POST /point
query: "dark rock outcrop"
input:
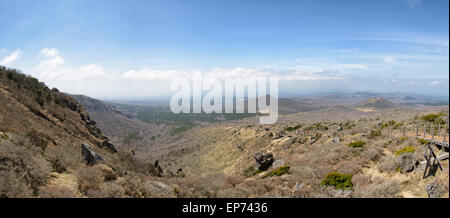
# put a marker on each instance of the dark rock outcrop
(159, 171)
(89, 155)
(110, 146)
(264, 161)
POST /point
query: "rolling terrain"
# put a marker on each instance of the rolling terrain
(322, 146)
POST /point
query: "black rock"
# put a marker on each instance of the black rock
(89, 155)
(109, 145)
(264, 161)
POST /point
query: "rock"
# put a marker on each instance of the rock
(280, 134)
(264, 161)
(278, 163)
(180, 172)
(89, 155)
(158, 168)
(109, 145)
(408, 162)
(335, 139)
(312, 140)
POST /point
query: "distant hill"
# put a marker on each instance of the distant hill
(290, 106)
(377, 103)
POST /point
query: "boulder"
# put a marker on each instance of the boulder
(89, 155)
(264, 161)
(158, 168)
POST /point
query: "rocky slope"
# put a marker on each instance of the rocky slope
(41, 135)
(125, 132)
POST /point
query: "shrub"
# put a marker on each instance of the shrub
(385, 189)
(89, 178)
(251, 171)
(40, 101)
(356, 144)
(279, 171)
(406, 149)
(53, 191)
(429, 117)
(10, 75)
(374, 133)
(5, 136)
(38, 139)
(290, 128)
(58, 166)
(57, 101)
(338, 180)
(422, 141)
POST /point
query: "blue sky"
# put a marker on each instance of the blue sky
(133, 48)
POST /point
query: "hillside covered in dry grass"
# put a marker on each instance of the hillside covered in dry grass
(41, 133)
(331, 151)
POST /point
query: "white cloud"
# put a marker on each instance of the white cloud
(53, 67)
(390, 60)
(152, 74)
(9, 59)
(222, 73)
(435, 83)
(49, 52)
